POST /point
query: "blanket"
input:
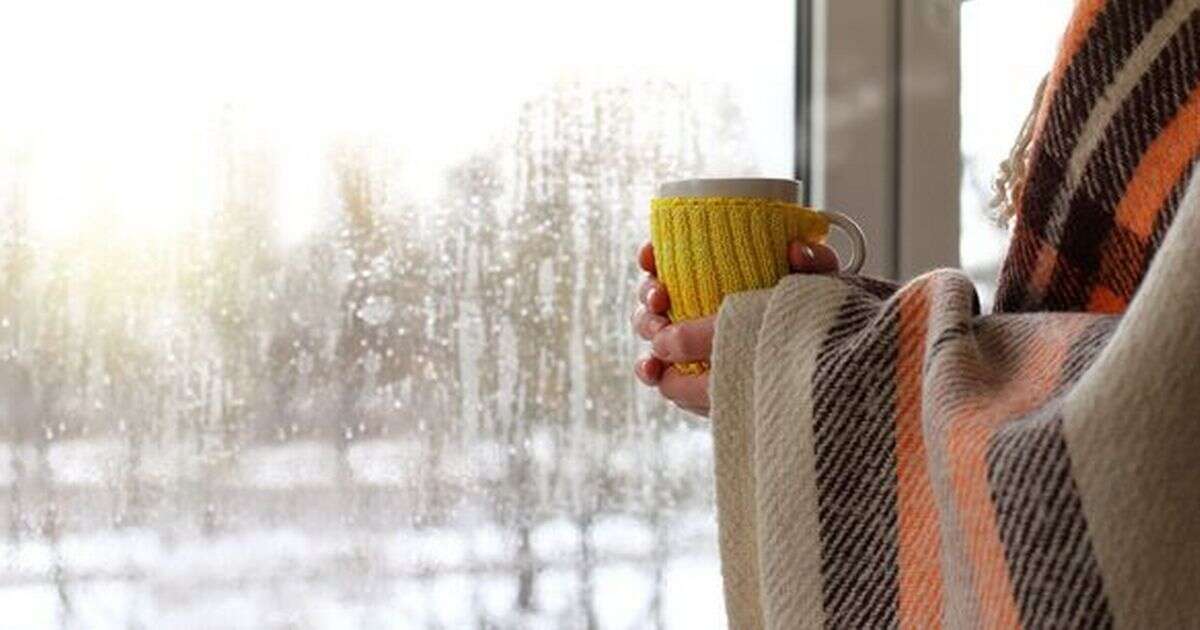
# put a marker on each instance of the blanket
(888, 456)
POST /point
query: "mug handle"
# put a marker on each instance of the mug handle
(857, 238)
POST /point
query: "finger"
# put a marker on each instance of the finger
(646, 259)
(657, 300)
(689, 392)
(647, 324)
(684, 341)
(649, 371)
(648, 286)
(816, 258)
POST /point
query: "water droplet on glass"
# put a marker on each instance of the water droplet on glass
(380, 265)
(304, 363)
(373, 362)
(377, 309)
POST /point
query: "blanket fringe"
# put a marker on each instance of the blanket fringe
(1010, 181)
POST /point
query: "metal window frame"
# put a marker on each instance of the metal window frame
(877, 125)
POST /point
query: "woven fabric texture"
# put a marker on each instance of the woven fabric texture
(1115, 142)
(889, 457)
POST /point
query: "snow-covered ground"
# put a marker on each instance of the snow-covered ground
(414, 579)
(264, 566)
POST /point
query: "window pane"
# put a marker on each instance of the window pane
(316, 316)
(999, 80)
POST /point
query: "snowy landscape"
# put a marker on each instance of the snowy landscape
(407, 416)
(289, 561)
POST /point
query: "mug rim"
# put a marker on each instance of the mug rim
(778, 188)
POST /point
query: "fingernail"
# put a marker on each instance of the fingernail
(658, 346)
(645, 373)
(652, 369)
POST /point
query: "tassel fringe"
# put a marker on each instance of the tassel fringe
(1010, 181)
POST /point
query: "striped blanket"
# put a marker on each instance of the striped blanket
(889, 457)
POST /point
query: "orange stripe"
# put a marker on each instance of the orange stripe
(967, 445)
(919, 534)
(970, 433)
(1104, 300)
(1160, 169)
(1080, 24)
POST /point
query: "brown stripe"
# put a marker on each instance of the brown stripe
(1055, 576)
(853, 402)
(1157, 99)
(1121, 267)
(1018, 265)
(1100, 38)
(1112, 36)
(1030, 383)
(1081, 23)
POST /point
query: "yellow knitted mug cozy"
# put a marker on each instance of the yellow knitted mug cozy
(706, 247)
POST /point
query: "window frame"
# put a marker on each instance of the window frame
(878, 124)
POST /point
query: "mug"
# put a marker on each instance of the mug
(713, 237)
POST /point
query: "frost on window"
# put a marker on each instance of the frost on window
(414, 413)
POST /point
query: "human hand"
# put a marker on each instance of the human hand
(692, 340)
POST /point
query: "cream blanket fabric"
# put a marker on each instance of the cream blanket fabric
(888, 457)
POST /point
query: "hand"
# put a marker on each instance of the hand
(692, 340)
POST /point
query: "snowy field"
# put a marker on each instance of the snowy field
(275, 560)
(286, 579)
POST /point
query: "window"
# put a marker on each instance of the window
(316, 315)
(884, 127)
(913, 107)
(999, 81)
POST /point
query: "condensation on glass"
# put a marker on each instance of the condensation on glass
(323, 323)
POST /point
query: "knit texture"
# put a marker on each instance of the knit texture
(708, 247)
(889, 457)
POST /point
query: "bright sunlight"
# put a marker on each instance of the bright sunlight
(118, 111)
